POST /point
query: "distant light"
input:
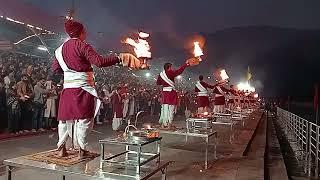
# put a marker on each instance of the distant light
(69, 17)
(189, 78)
(246, 87)
(209, 77)
(179, 77)
(9, 19)
(42, 48)
(29, 25)
(148, 74)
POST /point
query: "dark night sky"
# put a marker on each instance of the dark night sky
(179, 15)
(176, 18)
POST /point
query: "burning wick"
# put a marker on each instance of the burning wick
(197, 51)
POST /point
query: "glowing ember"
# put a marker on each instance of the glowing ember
(224, 74)
(197, 51)
(141, 46)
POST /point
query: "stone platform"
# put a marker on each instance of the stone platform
(234, 161)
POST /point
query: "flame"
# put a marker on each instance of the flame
(197, 51)
(224, 74)
(141, 47)
(143, 35)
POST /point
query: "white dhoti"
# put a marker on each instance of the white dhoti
(125, 108)
(167, 112)
(81, 128)
(131, 109)
(116, 122)
(218, 108)
(187, 113)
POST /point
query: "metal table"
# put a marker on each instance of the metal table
(130, 157)
(205, 135)
(195, 124)
(86, 169)
(228, 120)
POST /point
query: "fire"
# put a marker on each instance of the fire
(197, 51)
(141, 46)
(143, 35)
(224, 74)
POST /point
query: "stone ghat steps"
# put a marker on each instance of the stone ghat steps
(263, 157)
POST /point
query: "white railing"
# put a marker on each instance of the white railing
(304, 139)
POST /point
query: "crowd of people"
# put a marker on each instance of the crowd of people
(29, 94)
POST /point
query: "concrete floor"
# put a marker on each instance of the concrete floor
(189, 158)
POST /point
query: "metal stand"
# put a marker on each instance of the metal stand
(203, 135)
(9, 171)
(134, 158)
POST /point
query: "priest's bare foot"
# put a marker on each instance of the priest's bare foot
(62, 151)
(83, 154)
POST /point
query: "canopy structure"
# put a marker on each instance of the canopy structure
(27, 39)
